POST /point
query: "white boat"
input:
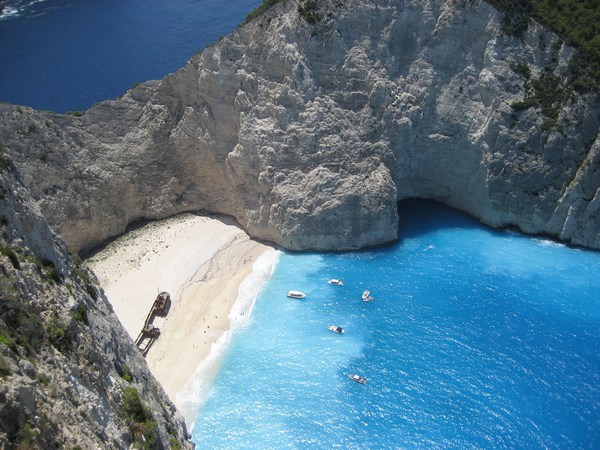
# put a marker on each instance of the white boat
(335, 329)
(357, 378)
(296, 294)
(366, 296)
(336, 282)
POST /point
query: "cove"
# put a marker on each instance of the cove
(475, 339)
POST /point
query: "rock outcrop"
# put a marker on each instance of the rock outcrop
(70, 376)
(309, 127)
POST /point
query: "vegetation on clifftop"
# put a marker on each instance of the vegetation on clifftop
(266, 4)
(575, 21)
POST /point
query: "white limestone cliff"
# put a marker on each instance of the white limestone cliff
(309, 133)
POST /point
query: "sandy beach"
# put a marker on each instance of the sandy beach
(201, 261)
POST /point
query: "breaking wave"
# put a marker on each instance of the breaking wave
(197, 388)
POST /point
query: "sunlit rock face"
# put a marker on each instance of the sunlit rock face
(309, 133)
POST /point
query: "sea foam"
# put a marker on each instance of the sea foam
(197, 389)
(18, 8)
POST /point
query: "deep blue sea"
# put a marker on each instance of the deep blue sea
(475, 338)
(66, 55)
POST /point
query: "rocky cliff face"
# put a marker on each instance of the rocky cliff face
(70, 376)
(308, 127)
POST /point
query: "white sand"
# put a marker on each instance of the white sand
(201, 262)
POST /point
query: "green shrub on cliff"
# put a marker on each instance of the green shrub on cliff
(516, 15)
(59, 336)
(25, 326)
(132, 405)
(51, 272)
(26, 436)
(80, 314)
(3, 162)
(7, 251)
(266, 4)
(142, 426)
(576, 21)
(309, 11)
(546, 93)
(126, 374)
(522, 69)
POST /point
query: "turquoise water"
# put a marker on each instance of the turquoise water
(475, 339)
(66, 55)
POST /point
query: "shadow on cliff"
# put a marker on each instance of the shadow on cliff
(140, 223)
(421, 216)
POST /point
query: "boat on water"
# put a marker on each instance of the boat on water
(335, 329)
(336, 282)
(296, 294)
(366, 296)
(357, 378)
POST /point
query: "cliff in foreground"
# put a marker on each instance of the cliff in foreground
(70, 376)
(310, 123)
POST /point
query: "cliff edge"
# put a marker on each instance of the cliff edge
(309, 123)
(70, 376)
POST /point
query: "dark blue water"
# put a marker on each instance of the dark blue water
(66, 55)
(474, 339)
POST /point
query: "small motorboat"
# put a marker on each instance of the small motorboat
(336, 282)
(335, 329)
(366, 296)
(296, 294)
(357, 378)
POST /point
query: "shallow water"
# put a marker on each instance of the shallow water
(475, 338)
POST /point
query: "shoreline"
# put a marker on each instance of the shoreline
(202, 261)
(195, 390)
